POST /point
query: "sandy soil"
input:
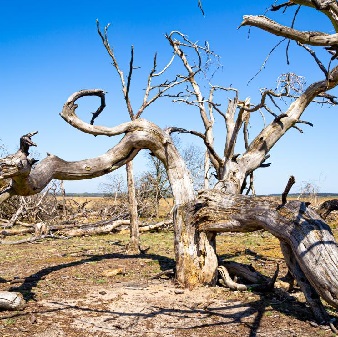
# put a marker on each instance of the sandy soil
(91, 287)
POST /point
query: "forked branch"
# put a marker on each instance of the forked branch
(159, 89)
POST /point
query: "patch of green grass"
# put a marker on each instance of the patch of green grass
(268, 313)
(10, 321)
(100, 281)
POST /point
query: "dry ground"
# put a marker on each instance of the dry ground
(90, 287)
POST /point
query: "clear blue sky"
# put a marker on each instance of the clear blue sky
(50, 49)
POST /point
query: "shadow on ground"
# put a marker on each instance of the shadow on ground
(161, 308)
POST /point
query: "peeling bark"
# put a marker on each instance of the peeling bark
(310, 239)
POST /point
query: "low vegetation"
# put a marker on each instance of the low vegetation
(90, 286)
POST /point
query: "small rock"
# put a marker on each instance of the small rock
(178, 291)
(33, 319)
(102, 292)
(112, 272)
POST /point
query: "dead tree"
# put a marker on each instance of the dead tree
(152, 93)
(307, 242)
(196, 221)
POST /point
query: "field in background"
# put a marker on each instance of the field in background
(96, 203)
(166, 205)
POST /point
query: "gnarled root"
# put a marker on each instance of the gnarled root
(258, 281)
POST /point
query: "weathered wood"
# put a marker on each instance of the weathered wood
(11, 301)
(309, 291)
(80, 229)
(134, 233)
(95, 230)
(158, 225)
(327, 207)
(13, 232)
(196, 260)
(311, 241)
(246, 272)
(228, 282)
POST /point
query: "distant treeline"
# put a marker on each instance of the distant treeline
(100, 195)
(84, 195)
(295, 195)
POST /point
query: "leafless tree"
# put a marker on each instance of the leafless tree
(309, 191)
(152, 186)
(115, 189)
(33, 208)
(194, 158)
(152, 93)
(307, 242)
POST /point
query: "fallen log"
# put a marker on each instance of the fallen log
(14, 232)
(308, 245)
(257, 281)
(76, 230)
(157, 225)
(95, 230)
(246, 272)
(7, 223)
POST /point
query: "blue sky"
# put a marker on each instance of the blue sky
(50, 49)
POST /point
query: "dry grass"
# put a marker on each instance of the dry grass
(69, 293)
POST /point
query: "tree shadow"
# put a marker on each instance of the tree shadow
(184, 318)
(248, 314)
(31, 281)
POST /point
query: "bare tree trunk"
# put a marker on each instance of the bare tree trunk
(206, 169)
(134, 243)
(195, 252)
(310, 293)
(63, 192)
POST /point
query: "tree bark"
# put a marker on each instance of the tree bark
(195, 252)
(134, 242)
(95, 229)
(310, 239)
(310, 293)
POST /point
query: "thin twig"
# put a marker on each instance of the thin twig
(266, 60)
(288, 45)
(313, 54)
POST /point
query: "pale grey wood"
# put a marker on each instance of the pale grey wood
(11, 300)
